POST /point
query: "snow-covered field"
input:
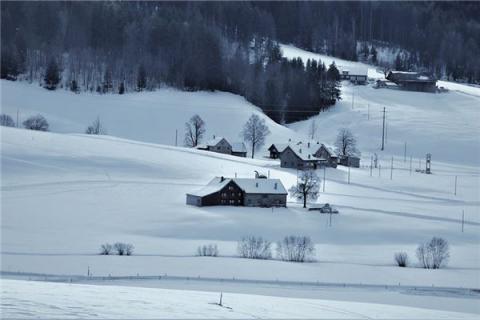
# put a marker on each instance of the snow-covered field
(58, 300)
(65, 193)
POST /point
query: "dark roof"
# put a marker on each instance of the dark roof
(404, 76)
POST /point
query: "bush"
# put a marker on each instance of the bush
(96, 128)
(6, 120)
(255, 248)
(106, 249)
(401, 258)
(37, 122)
(123, 248)
(433, 254)
(296, 248)
(210, 250)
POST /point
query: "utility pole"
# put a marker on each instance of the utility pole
(176, 137)
(391, 170)
(463, 219)
(353, 97)
(17, 116)
(348, 174)
(368, 111)
(405, 153)
(379, 169)
(410, 165)
(324, 173)
(371, 165)
(455, 192)
(383, 130)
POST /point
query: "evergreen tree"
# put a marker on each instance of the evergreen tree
(121, 88)
(52, 75)
(141, 78)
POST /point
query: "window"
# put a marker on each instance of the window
(230, 188)
(238, 201)
(233, 194)
(224, 195)
(239, 194)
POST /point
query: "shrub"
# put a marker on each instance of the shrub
(106, 249)
(255, 248)
(210, 250)
(96, 127)
(123, 248)
(433, 254)
(37, 122)
(401, 258)
(296, 248)
(6, 120)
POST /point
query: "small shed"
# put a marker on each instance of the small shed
(350, 161)
(413, 81)
(239, 149)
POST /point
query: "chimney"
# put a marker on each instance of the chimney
(275, 186)
(222, 179)
(299, 150)
(308, 144)
(256, 184)
(213, 136)
(308, 156)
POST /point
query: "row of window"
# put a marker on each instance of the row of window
(231, 202)
(224, 194)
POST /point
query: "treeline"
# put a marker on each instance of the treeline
(116, 47)
(443, 37)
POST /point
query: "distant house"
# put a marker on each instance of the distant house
(355, 75)
(350, 161)
(413, 81)
(240, 192)
(239, 149)
(221, 145)
(301, 157)
(276, 148)
(328, 154)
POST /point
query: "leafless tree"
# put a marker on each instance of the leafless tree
(210, 250)
(37, 122)
(6, 120)
(346, 143)
(401, 258)
(96, 127)
(296, 248)
(106, 249)
(307, 187)
(254, 132)
(255, 248)
(433, 254)
(194, 131)
(123, 248)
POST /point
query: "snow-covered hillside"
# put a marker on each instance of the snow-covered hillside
(447, 125)
(35, 300)
(148, 116)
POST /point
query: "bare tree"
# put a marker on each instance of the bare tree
(401, 258)
(346, 143)
(123, 248)
(433, 254)
(194, 131)
(210, 250)
(254, 132)
(96, 127)
(296, 248)
(106, 249)
(312, 130)
(254, 248)
(6, 120)
(37, 122)
(307, 187)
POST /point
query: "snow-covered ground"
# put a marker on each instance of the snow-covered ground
(59, 300)
(64, 193)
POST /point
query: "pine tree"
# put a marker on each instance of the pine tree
(52, 75)
(121, 88)
(141, 78)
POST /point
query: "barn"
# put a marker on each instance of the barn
(413, 81)
(258, 192)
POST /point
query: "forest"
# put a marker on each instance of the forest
(118, 47)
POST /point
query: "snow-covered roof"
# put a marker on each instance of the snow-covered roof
(408, 76)
(354, 70)
(213, 142)
(248, 185)
(330, 150)
(279, 146)
(304, 152)
(239, 147)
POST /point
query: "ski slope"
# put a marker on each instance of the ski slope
(26, 299)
